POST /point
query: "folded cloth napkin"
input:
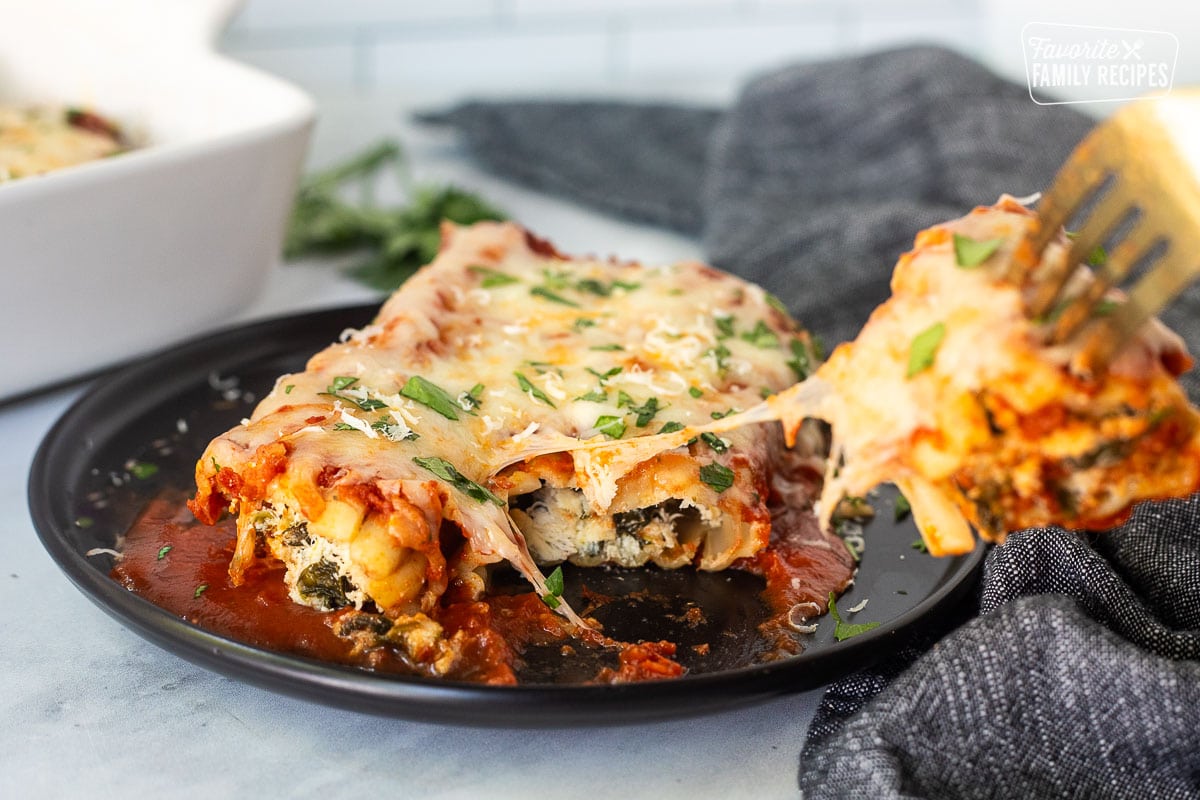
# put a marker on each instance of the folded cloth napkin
(1076, 670)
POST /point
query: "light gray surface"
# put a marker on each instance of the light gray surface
(90, 709)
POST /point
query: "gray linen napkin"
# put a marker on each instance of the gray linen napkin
(1077, 670)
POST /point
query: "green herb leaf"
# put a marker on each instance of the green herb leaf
(447, 472)
(924, 348)
(143, 470)
(339, 383)
(537, 393)
(431, 395)
(777, 304)
(610, 426)
(554, 588)
(607, 347)
(84, 522)
(720, 354)
(844, 630)
(472, 398)
(722, 414)
(547, 294)
(696, 392)
(724, 327)
(970, 252)
(920, 546)
(288, 389)
(718, 476)
(201, 589)
(1098, 257)
(761, 336)
(646, 411)
(594, 396)
(162, 551)
(671, 427)
(806, 358)
(715, 442)
(604, 376)
(492, 277)
(583, 322)
(902, 508)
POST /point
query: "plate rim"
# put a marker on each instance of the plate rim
(416, 697)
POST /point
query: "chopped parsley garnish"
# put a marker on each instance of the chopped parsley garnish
(162, 551)
(970, 252)
(547, 294)
(143, 470)
(542, 367)
(606, 347)
(646, 411)
(604, 376)
(718, 476)
(696, 392)
(201, 589)
(492, 277)
(594, 396)
(583, 322)
(777, 304)
(472, 398)
(288, 389)
(671, 427)
(431, 395)
(722, 414)
(1098, 257)
(806, 357)
(766, 392)
(720, 354)
(724, 327)
(554, 588)
(392, 431)
(447, 472)
(761, 336)
(920, 546)
(611, 426)
(845, 630)
(715, 442)
(343, 426)
(902, 508)
(924, 348)
(343, 382)
(594, 287)
(537, 393)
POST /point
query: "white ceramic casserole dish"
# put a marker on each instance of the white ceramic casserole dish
(115, 258)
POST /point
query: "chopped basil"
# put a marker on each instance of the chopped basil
(604, 376)
(671, 427)
(392, 431)
(431, 395)
(547, 294)
(717, 476)
(472, 398)
(537, 393)
(902, 508)
(162, 551)
(343, 426)
(492, 277)
(623, 399)
(646, 411)
(201, 589)
(554, 588)
(288, 389)
(722, 414)
(605, 348)
(924, 348)
(806, 356)
(720, 354)
(341, 382)
(594, 396)
(845, 630)
(970, 252)
(610, 426)
(777, 304)
(143, 470)
(1098, 257)
(542, 367)
(447, 472)
(584, 322)
(920, 546)
(594, 287)
(724, 327)
(761, 336)
(715, 442)
(696, 392)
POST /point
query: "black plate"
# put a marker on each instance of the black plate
(166, 408)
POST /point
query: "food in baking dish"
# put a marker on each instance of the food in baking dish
(426, 448)
(42, 139)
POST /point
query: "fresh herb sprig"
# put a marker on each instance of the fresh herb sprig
(394, 242)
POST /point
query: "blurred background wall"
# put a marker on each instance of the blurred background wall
(685, 48)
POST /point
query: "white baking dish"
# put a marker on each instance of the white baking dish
(119, 257)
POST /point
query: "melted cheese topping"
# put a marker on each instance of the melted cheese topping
(500, 351)
(35, 141)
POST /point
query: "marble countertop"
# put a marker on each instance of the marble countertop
(91, 709)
